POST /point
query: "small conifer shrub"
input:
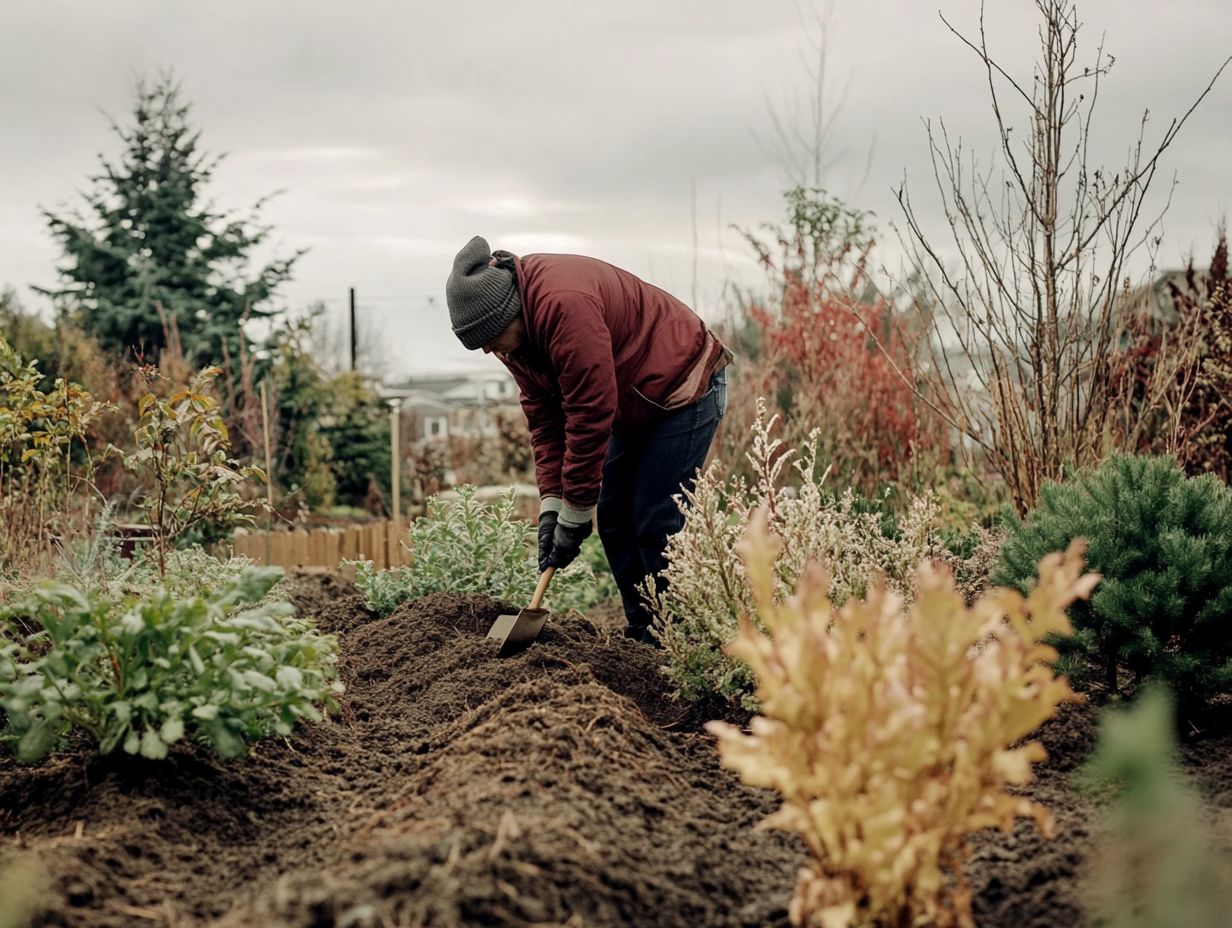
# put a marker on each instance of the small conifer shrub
(1163, 544)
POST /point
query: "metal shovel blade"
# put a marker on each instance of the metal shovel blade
(516, 632)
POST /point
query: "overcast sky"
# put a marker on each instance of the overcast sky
(399, 128)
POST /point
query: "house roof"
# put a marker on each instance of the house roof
(425, 403)
(1153, 300)
(451, 389)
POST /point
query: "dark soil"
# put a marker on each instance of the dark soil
(452, 788)
(560, 787)
(1023, 879)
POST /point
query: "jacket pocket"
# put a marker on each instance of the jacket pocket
(665, 405)
(648, 401)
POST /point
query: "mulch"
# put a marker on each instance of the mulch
(560, 787)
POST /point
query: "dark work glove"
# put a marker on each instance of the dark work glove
(547, 528)
(567, 543)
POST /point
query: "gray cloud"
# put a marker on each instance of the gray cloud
(399, 129)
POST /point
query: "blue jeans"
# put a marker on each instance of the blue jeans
(636, 510)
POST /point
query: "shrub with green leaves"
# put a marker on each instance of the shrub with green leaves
(707, 588)
(465, 545)
(222, 668)
(1163, 544)
(44, 457)
(184, 453)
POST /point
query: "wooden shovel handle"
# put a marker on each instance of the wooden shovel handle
(544, 579)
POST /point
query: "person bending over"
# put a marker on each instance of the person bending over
(623, 387)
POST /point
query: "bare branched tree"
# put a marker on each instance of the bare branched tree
(1030, 316)
(801, 138)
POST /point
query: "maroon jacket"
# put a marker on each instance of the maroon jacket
(605, 351)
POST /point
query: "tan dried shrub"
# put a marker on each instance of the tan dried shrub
(893, 731)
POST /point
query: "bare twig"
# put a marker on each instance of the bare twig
(1028, 327)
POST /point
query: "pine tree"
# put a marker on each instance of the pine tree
(1163, 544)
(152, 247)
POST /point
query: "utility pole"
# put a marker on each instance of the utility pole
(353, 347)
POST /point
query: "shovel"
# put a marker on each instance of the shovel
(516, 632)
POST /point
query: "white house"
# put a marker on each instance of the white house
(436, 406)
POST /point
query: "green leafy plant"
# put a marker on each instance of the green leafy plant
(603, 587)
(43, 455)
(184, 447)
(1163, 543)
(222, 668)
(193, 571)
(708, 590)
(93, 557)
(92, 560)
(465, 545)
(1158, 865)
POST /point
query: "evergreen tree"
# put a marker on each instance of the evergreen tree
(333, 429)
(153, 251)
(1163, 544)
(360, 425)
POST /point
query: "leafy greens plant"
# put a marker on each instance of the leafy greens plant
(223, 668)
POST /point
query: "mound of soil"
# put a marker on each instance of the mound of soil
(560, 787)
(334, 601)
(446, 769)
(552, 802)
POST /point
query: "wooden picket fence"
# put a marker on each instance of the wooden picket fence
(383, 543)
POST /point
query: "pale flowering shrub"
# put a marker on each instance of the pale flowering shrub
(893, 730)
(707, 584)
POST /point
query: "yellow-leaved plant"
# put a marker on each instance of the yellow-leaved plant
(892, 731)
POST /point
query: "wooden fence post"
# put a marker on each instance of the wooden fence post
(278, 549)
(376, 544)
(299, 547)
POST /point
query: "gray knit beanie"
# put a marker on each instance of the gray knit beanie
(482, 300)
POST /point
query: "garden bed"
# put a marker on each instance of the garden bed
(559, 787)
